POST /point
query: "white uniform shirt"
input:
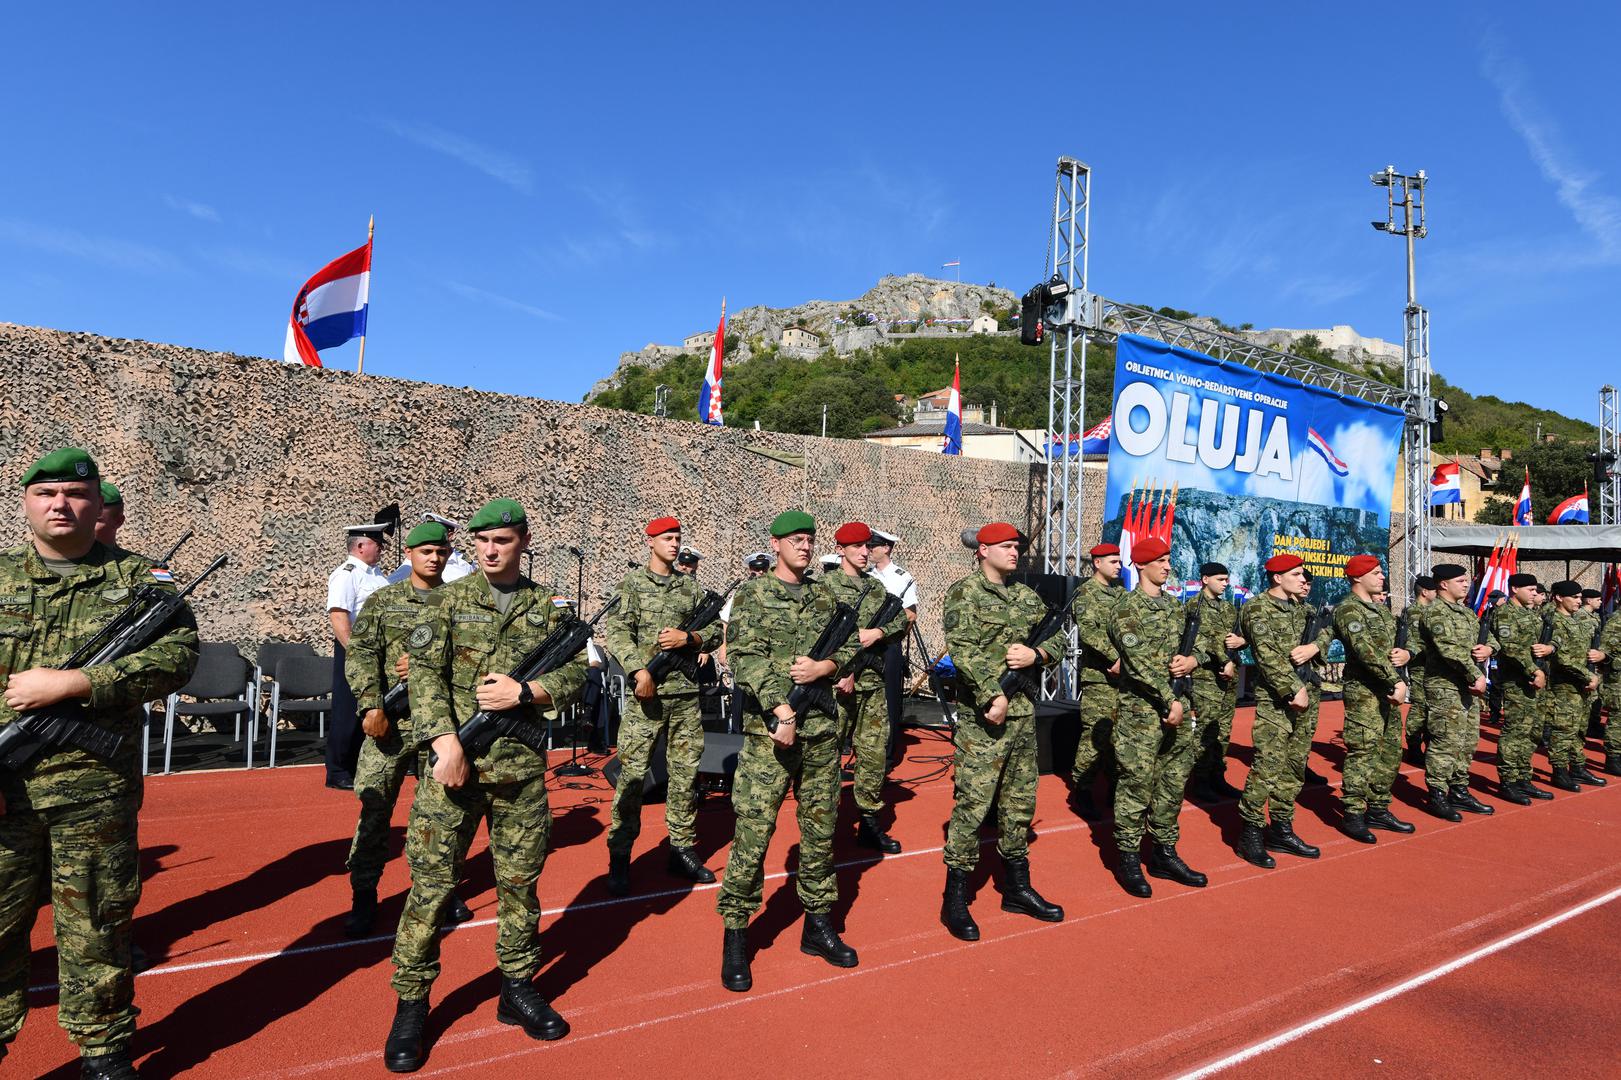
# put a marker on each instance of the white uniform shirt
(457, 566)
(899, 583)
(350, 585)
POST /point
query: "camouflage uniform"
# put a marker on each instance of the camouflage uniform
(69, 814)
(1610, 688)
(1214, 697)
(995, 763)
(774, 623)
(648, 603)
(463, 639)
(1154, 760)
(1514, 630)
(1450, 631)
(1418, 704)
(377, 641)
(1282, 736)
(1567, 679)
(1093, 603)
(864, 714)
(1372, 722)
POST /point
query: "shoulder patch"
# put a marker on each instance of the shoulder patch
(1129, 640)
(1353, 627)
(421, 636)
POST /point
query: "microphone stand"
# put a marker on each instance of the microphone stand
(574, 766)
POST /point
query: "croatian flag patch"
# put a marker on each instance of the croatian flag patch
(161, 573)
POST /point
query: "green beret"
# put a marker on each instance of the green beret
(110, 495)
(496, 514)
(61, 466)
(429, 532)
(792, 521)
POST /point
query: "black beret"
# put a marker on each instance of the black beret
(1591, 594)
(1446, 571)
(1520, 581)
(1424, 581)
(1566, 588)
(1210, 569)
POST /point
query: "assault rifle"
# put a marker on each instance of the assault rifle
(1182, 685)
(397, 702)
(667, 662)
(1481, 637)
(1598, 632)
(819, 695)
(872, 657)
(63, 725)
(558, 648)
(1316, 621)
(1027, 681)
(163, 563)
(1401, 643)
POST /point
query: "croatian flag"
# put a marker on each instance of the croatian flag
(709, 397)
(953, 262)
(1240, 594)
(1573, 511)
(1326, 452)
(1128, 569)
(331, 308)
(1522, 508)
(1096, 441)
(952, 443)
(1190, 589)
(1446, 485)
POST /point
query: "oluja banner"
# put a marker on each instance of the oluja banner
(1233, 465)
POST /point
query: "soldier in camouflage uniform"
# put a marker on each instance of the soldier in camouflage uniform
(1516, 630)
(987, 623)
(1569, 679)
(1374, 692)
(1417, 707)
(653, 603)
(460, 654)
(1285, 711)
(864, 713)
(1154, 731)
(776, 620)
(375, 661)
(1453, 678)
(1610, 691)
(68, 817)
(1215, 682)
(1100, 670)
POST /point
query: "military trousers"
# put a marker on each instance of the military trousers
(1568, 713)
(384, 764)
(1610, 694)
(1154, 762)
(1372, 737)
(995, 765)
(1282, 740)
(765, 772)
(1095, 750)
(864, 724)
(90, 855)
(1418, 707)
(1454, 731)
(678, 718)
(443, 821)
(1214, 701)
(1517, 738)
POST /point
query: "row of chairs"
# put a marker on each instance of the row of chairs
(226, 685)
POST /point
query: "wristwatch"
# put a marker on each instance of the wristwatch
(526, 696)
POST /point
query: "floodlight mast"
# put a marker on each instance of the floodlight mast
(1609, 448)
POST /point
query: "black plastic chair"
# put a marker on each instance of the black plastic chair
(302, 684)
(219, 687)
(264, 664)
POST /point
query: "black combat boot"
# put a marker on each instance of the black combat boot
(1612, 762)
(1311, 779)
(1462, 798)
(1280, 836)
(362, 913)
(1252, 848)
(734, 961)
(1509, 791)
(1019, 898)
(1414, 754)
(457, 911)
(1580, 774)
(1563, 780)
(1219, 785)
(818, 938)
(954, 913)
(1129, 873)
(684, 863)
(1527, 788)
(619, 873)
(1081, 801)
(1440, 806)
(1380, 817)
(1356, 827)
(522, 1005)
(1164, 862)
(113, 1066)
(868, 834)
(403, 1050)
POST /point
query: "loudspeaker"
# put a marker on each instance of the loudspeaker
(657, 780)
(1052, 588)
(719, 763)
(1058, 735)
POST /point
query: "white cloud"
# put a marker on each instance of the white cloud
(493, 163)
(484, 296)
(200, 211)
(119, 254)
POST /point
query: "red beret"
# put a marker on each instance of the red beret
(852, 532)
(1278, 564)
(1357, 565)
(1146, 551)
(1102, 550)
(998, 532)
(662, 525)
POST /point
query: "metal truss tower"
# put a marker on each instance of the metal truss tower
(1067, 251)
(1609, 442)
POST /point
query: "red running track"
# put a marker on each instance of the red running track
(244, 905)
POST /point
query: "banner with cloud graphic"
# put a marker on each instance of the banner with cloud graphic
(1257, 463)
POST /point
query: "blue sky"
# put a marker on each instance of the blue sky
(553, 186)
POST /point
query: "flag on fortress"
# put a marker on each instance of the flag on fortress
(953, 262)
(1522, 508)
(709, 410)
(331, 308)
(1096, 439)
(1446, 485)
(952, 443)
(1573, 511)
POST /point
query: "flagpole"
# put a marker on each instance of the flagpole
(360, 364)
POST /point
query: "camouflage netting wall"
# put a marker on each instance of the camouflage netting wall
(266, 462)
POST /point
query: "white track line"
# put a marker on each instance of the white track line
(1423, 978)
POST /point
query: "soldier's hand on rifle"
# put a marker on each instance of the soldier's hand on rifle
(1478, 687)
(1541, 651)
(1233, 641)
(996, 712)
(1020, 656)
(1400, 657)
(805, 670)
(846, 685)
(1303, 654)
(1183, 665)
(870, 636)
(1595, 656)
(784, 735)
(498, 693)
(1540, 679)
(375, 723)
(451, 768)
(1398, 695)
(670, 638)
(1113, 669)
(1174, 719)
(1229, 671)
(402, 666)
(1592, 684)
(645, 690)
(1301, 699)
(38, 688)
(1481, 653)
